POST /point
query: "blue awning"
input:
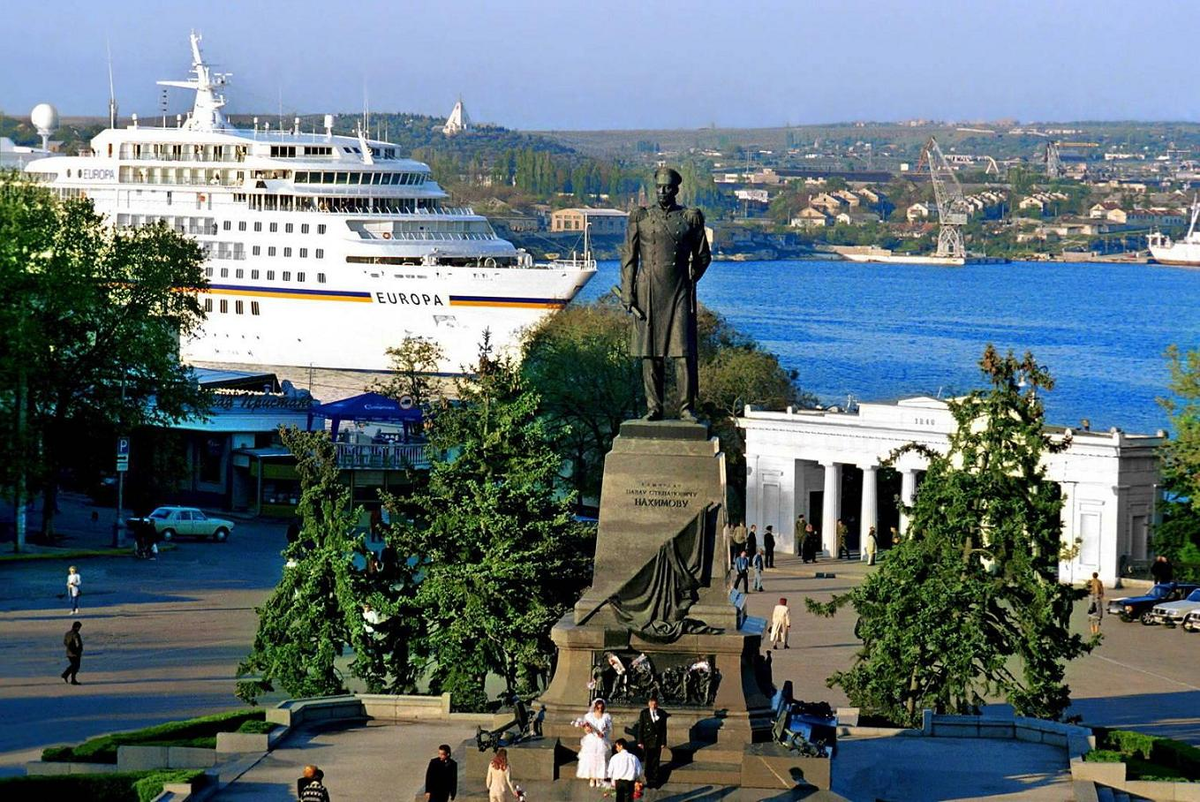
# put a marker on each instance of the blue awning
(367, 407)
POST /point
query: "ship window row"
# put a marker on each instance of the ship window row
(182, 176)
(170, 152)
(288, 228)
(286, 252)
(379, 153)
(360, 179)
(336, 205)
(196, 226)
(239, 307)
(294, 151)
(255, 275)
(447, 261)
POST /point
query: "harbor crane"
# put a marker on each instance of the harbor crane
(1054, 167)
(952, 207)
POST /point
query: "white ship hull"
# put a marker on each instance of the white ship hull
(1179, 253)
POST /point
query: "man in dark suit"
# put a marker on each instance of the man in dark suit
(441, 777)
(651, 738)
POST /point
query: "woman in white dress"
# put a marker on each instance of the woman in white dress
(594, 748)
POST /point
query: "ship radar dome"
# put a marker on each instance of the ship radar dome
(44, 118)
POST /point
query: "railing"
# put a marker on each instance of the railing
(383, 455)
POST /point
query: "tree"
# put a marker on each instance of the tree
(319, 608)
(969, 604)
(414, 362)
(502, 560)
(1178, 536)
(580, 365)
(92, 318)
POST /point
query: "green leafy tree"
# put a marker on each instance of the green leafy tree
(89, 328)
(580, 365)
(319, 609)
(502, 559)
(1178, 536)
(414, 363)
(969, 605)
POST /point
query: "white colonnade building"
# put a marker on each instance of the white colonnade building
(826, 465)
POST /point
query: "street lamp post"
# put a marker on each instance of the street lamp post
(122, 466)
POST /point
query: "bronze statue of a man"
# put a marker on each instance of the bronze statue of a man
(666, 252)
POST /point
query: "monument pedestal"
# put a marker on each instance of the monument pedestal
(658, 478)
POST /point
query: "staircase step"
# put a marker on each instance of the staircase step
(704, 752)
(704, 772)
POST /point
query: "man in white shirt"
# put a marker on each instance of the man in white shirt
(623, 769)
(781, 623)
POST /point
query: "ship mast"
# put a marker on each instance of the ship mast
(206, 113)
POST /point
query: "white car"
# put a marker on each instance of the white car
(170, 522)
(1192, 622)
(1175, 612)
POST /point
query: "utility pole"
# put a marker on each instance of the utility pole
(122, 468)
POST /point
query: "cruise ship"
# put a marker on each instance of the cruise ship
(323, 251)
(1184, 252)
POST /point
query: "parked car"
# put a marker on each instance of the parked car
(1142, 607)
(1174, 612)
(1192, 622)
(172, 522)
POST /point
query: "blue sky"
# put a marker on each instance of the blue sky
(617, 64)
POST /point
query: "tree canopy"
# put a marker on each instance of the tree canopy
(968, 606)
(90, 321)
(501, 556)
(1178, 535)
(333, 596)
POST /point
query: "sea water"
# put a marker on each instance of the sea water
(883, 332)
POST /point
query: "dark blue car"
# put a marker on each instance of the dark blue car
(1135, 608)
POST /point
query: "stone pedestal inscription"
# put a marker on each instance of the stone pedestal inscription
(658, 477)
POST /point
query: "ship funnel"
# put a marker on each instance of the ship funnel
(328, 125)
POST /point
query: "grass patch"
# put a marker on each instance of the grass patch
(128, 786)
(198, 732)
(257, 727)
(1146, 757)
(74, 554)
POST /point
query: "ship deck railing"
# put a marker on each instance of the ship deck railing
(382, 456)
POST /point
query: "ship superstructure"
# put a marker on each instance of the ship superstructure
(1182, 252)
(323, 250)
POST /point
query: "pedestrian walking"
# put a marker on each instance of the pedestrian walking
(1095, 602)
(738, 541)
(74, 583)
(441, 777)
(781, 624)
(872, 546)
(759, 564)
(499, 780)
(311, 786)
(798, 532)
(752, 541)
(769, 546)
(623, 770)
(895, 533)
(74, 643)
(741, 567)
(842, 546)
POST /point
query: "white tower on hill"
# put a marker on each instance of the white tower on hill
(458, 121)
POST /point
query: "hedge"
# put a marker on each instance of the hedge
(129, 786)
(1148, 757)
(201, 732)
